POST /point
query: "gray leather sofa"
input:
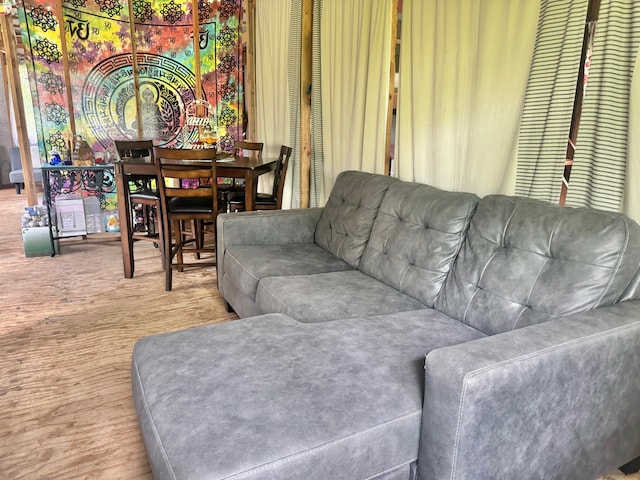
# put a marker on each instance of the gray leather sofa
(405, 332)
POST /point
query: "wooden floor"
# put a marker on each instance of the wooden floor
(67, 327)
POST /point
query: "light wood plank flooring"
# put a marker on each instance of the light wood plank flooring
(67, 326)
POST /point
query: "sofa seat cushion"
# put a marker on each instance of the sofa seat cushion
(246, 265)
(527, 261)
(331, 296)
(271, 398)
(17, 176)
(416, 237)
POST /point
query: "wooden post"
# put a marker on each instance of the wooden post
(196, 48)
(9, 41)
(305, 102)
(392, 102)
(5, 81)
(134, 67)
(250, 78)
(65, 63)
(593, 12)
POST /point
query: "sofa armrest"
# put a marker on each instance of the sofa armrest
(555, 400)
(270, 227)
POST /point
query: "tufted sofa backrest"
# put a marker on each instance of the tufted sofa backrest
(416, 237)
(346, 220)
(526, 261)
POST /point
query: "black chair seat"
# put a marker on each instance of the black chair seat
(145, 194)
(260, 199)
(190, 205)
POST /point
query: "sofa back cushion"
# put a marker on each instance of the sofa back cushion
(346, 220)
(526, 261)
(416, 237)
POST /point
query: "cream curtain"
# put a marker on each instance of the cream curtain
(354, 74)
(273, 122)
(463, 73)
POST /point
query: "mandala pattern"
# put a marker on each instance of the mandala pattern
(204, 10)
(227, 117)
(227, 64)
(171, 12)
(55, 113)
(110, 7)
(51, 82)
(142, 10)
(227, 36)
(77, 3)
(228, 8)
(227, 91)
(226, 143)
(56, 141)
(43, 18)
(47, 50)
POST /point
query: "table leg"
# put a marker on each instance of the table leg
(126, 241)
(250, 189)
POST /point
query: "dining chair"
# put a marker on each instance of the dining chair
(144, 197)
(267, 201)
(240, 149)
(187, 206)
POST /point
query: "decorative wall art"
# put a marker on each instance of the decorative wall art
(129, 69)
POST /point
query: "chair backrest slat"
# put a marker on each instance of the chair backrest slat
(254, 149)
(133, 148)
(168, 173)
(281, 174)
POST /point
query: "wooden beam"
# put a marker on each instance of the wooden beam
(9, 41)
(250, 77)
(5, 81)
(305, 102)
(593, 12)
(67, 74)
(134, 67)
(392, 90)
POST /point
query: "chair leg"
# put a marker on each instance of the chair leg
(161, 242)
(178, 236)
(17, 188)
(174, 254)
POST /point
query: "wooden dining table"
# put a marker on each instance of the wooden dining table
(227, 166)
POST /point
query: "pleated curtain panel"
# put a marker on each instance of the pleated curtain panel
(551, 91)
(485, 95)
(603, 156)
(353, 65)
(275, 106)
(463, 75)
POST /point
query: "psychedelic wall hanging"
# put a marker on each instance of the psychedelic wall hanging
(112, 69)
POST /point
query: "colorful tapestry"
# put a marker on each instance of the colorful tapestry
(105, 104)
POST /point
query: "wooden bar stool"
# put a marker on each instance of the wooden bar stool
(187, 206)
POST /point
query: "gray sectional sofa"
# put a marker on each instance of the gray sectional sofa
(404, 332)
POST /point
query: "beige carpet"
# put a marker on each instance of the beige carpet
(67, 326)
